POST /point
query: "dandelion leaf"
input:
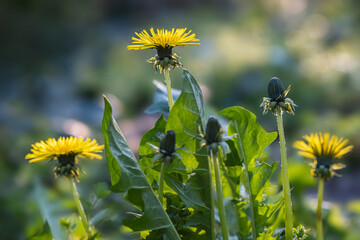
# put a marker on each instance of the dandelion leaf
(127, 177)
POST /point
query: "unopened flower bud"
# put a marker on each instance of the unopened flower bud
(213, 131)
(277, 97)
(275, 88)
(167, 143)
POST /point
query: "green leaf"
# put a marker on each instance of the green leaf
(186, 118)
(267, 236)
(187, 192)
(264, 206)
(260, 175)
(127, 176)
(146, 152)
(252, 135)
(102, 190)
(47, 212)
(232, 171)
(250, 141)
(100, 216)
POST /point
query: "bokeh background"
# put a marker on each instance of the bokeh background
(57, 58)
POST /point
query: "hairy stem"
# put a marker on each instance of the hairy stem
(247, 179)
(79, 207)
(219, 194)
(319, 225)
(285, 177)
(213, 229)
(161, 182)
(168, 86)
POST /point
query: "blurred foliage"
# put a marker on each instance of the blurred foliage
(57, 58)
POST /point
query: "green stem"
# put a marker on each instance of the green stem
(79, 207)
(166, 214)
(319, 225)
(219, 194)
(168, 86)
(161, 182)
(241, 154)
(212, 202)
(285, 177)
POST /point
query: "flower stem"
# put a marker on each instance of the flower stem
(213, 229)
(161, 182)
(79, 207)
(171, 104)
(319, 225)
(285, 177)
(219, 194)
(247, 179)
(168, 86)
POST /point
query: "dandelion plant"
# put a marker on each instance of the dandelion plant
(277, 102)
(214, 139)
(164, 41)
(325, 150)
(67, 151)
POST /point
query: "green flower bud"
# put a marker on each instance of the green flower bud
(213, 131)
(167, 143)
(275, 88)
(277, 97)
(300, 232)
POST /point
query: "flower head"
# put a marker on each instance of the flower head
(163, 41)
(277, 97)
(66, 151)
(324, 149)
(213, 137)
(167, 150)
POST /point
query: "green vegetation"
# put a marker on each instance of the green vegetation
(59, 59)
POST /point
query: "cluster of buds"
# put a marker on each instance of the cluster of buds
(300, 233)
(167, 151)
(165, 59)
(277, 97)
(66, 166)
(213, 137)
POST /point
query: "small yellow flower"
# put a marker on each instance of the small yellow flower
(163, 41)
(324, 149)
(66, 151)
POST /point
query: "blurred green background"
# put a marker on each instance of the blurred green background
(57, 58)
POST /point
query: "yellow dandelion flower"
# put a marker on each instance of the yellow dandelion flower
(66, 151)
(324, 149)
(163, 41)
